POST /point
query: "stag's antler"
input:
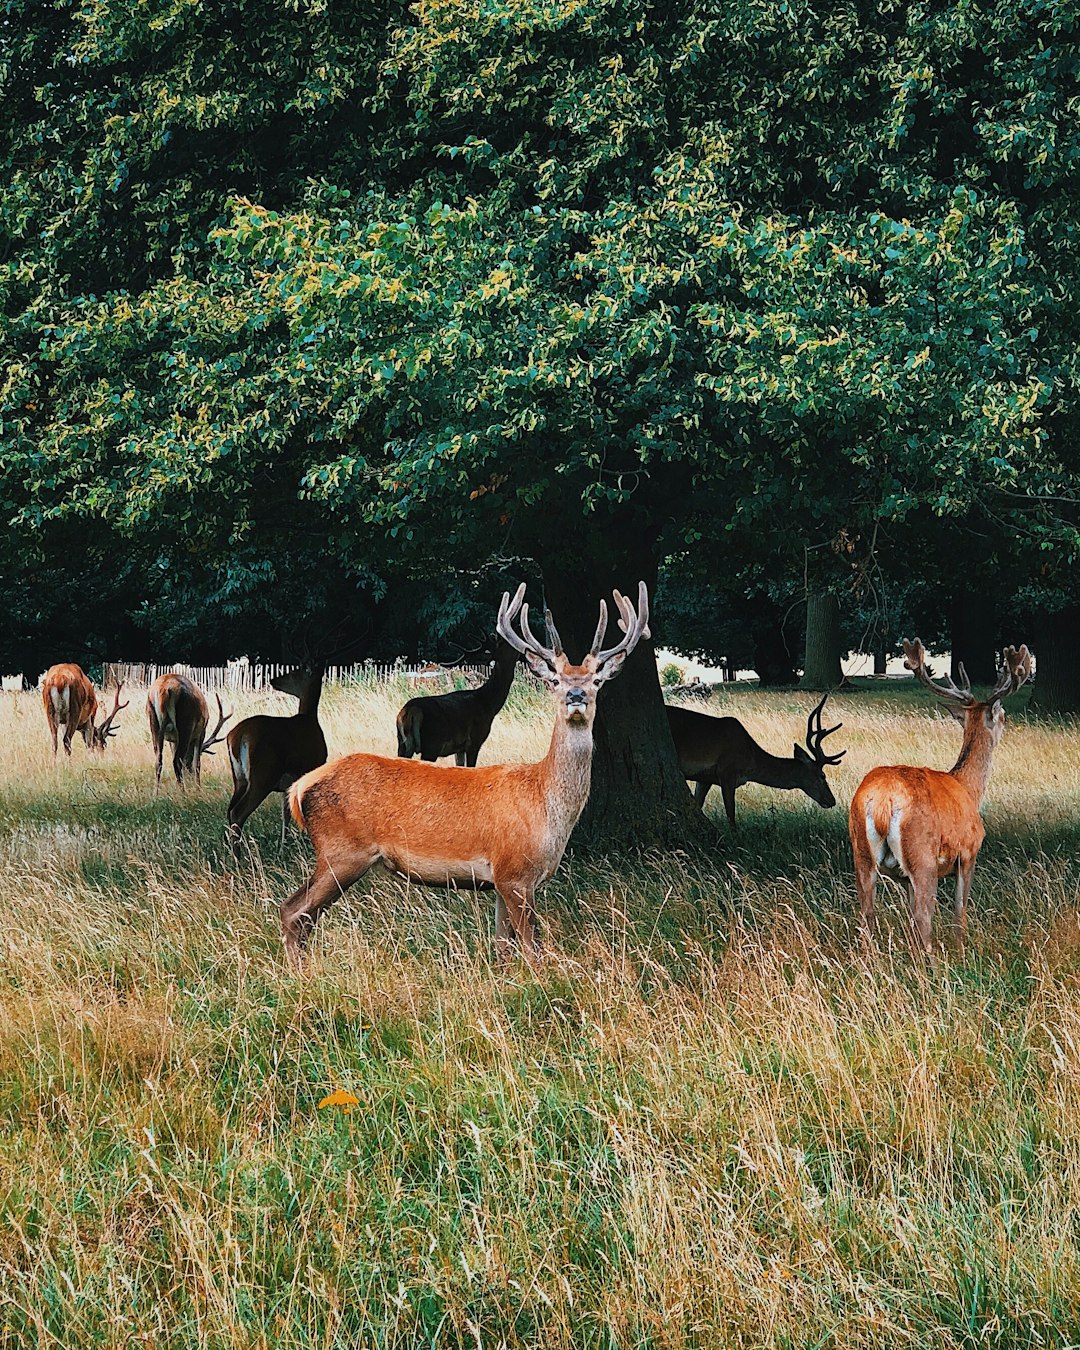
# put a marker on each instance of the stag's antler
(634, 626)
(915, 660)
(106, 729)
(214, 738)
(1015, 671)
(525, 641)
(816, 733)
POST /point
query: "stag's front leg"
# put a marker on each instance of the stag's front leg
(518, 915)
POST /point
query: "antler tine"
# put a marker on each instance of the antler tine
(601, 629)
(525, 641)
(106, 726)
(1015, 671)
(816, 733)
(915, 660)
(634, 626)
(553, 634)
(214, 738)
(548, 653)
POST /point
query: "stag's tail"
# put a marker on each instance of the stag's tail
(409, 721)
(296, 803)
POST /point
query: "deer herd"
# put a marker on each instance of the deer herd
(506, 826)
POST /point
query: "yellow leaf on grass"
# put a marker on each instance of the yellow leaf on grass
(339, 1097)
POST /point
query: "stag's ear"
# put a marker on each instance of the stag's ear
(610, 668)
(958, 711)
(541, 669)
(802, 756)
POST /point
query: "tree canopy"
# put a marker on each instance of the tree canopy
(397, 288)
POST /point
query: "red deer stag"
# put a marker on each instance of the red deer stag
(457, 723)
(178, 713)
(720, 752)
(69, 698)
(504, 825)
(924, 824)
(268, 754)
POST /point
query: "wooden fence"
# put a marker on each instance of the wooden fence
(246, 676)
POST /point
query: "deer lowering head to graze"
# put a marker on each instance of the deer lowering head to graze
(179, 714)
(503, 826)
(268, 754)
(924, 824)
(720, 752)
(70, 700)
(457, 723)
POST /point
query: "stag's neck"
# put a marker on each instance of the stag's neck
(770, 770)
(973, 766)
(309, 704)
(496, 687)
(568, 770)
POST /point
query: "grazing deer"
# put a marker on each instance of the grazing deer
(924, 824)
(268, 754)
(178, 713)
(719, 751)
(457, 723)
(504, 826)
(69, 698)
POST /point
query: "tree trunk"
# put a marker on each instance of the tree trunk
(1057, 653)
(639, 797)
(881, 661)
(773, 658)
(822, 667)
(973, 636)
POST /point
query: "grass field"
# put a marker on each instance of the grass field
(705, 1122)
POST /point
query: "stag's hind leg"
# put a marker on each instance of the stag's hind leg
(866, 880)
(302, 910)
(922, 889)
(965, 871)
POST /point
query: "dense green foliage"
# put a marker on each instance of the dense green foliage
(451, 276)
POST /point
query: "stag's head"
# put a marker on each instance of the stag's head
(575, 687)
(813, 760)
(101, 734)
(298, 682)
(961, 702)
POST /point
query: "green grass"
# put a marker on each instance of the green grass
(705, 1122)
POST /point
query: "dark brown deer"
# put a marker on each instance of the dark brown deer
(268, 754)
(720, 752)
(179, 714)
(924, 824)
(504, 825)
(70, 699)
(457, 723)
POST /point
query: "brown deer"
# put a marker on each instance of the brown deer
(457, 723)
(268, 754)
(924, 824)
(69, 698)
(504, 826)
(179, 714)
(719, 751)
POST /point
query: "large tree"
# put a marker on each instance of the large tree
(556, 280)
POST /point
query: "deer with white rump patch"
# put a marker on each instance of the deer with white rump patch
(179, 714)
(924, 824)
(504, 826)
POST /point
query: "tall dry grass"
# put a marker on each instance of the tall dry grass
(705, 1122)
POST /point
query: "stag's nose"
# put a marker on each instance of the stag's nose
(576, 698)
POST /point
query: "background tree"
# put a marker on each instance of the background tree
(539, 280)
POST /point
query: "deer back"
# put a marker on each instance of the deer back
(178, 713)
(69, 696)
